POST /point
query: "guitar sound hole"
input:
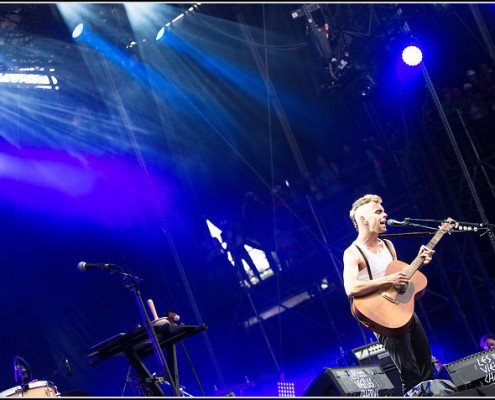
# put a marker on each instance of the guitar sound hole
(402, 288)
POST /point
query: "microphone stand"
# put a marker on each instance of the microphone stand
(21, 375)
(458, 225)
(407, 222)
(132, 282)
(408, 234)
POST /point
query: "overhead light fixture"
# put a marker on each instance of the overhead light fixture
(304, 10)
(77, 32)
(162, 31)
(412, 55)
(176, 20)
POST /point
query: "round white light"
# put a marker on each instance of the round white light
(412, 55)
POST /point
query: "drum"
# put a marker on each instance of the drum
(32, 389)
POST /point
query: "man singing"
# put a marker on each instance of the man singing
(365, 264)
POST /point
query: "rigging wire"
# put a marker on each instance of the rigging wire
(272, 183)
(162, 220)
(216, 28)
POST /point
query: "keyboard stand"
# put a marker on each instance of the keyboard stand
(136, 346)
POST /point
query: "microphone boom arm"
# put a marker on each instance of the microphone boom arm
(458, 225)
(392, 235)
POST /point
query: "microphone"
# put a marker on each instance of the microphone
(393, 222)
(68, 367)
(84, 266)
(18, 372)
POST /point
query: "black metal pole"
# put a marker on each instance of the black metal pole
(131, 283)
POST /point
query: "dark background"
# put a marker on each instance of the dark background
(124, 158)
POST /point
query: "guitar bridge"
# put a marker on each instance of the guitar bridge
(389, 297)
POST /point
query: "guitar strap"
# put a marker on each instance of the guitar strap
(351, 298)
(366, 261)
(387, 245)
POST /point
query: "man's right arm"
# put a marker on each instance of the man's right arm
(355, 287)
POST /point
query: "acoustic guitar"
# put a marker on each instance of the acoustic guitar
(389, 312)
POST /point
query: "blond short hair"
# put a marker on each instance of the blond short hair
(367, 198)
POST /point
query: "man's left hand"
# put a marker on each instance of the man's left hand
(426, 254)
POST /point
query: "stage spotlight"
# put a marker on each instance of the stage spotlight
(78, 30)
(162, 31)
(412, 55)
(178, 18)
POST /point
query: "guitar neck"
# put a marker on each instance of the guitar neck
(418, 261)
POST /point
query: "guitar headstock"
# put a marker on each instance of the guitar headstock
(447, 225)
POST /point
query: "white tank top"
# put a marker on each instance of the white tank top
(378, 262)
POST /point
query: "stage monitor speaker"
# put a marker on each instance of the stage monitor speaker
(482, 391)
(367, 381)
(475, 370)
(375, 353)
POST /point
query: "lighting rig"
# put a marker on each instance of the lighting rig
(176, 20)
(330, 46)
